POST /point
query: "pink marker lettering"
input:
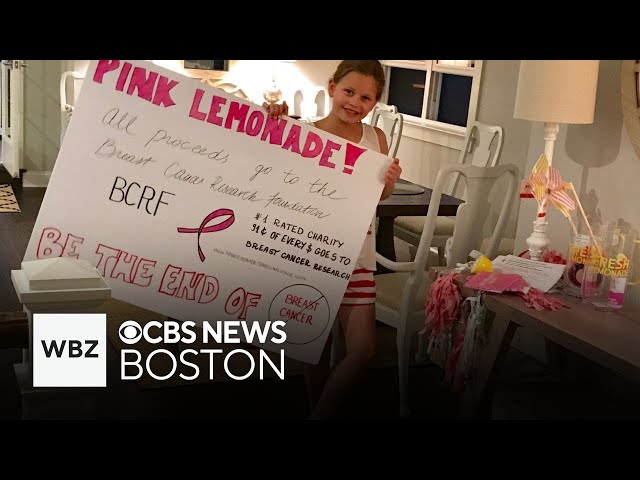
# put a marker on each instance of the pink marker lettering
(352, 154)
(195, 112)
(326, 154)
(103, 67)
(139, 81)
(162, 96)
(216, 105)
(122, 78)
(312, 146)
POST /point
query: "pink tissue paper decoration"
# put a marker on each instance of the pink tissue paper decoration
(496, 282)
(442, 308)
(540, 301)
(510, 282)
(551, 256)
(442, 305)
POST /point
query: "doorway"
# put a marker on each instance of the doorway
(30, 119)
(11, 115)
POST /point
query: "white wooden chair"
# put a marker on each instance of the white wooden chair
(401, 296)
(389, 120)
(228, 87)
(482, 148)
(66, 109)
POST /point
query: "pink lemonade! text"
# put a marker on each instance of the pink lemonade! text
(149, 86)
(241, 118)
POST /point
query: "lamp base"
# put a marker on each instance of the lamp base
(272, 94)
(538, 240)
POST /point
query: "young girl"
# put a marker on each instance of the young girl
(355, 88)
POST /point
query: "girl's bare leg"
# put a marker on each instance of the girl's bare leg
(315, 376)
(359, 327)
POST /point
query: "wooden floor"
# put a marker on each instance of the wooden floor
(15, 230)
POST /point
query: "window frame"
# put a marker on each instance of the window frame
(206, 74)
(429, 107)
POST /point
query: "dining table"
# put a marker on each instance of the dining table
(408, 199)
(607, 338)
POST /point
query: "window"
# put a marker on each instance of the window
(207, 64)
(441, 94)
(206, 69)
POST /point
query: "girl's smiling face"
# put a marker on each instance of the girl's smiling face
(354, 96)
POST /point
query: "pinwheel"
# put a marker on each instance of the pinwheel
(548, 188)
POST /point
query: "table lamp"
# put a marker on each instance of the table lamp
(554, 92)
(273, 94)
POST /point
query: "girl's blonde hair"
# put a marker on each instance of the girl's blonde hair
(371, 68)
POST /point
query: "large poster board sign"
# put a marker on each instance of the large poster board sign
(194, 204)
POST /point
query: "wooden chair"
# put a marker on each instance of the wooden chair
(401, 296)
(482, 147)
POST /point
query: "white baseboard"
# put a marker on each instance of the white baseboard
(36, 179)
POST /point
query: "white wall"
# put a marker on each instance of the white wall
(41, 114)
(495, 107)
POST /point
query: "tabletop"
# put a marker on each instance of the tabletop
(406, 205)
(416, 204)
(611, 339)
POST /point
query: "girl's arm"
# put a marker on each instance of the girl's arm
(390, 178)
(393, 171)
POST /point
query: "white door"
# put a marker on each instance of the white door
(12, 114)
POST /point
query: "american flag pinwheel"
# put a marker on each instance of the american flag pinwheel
(549, 189)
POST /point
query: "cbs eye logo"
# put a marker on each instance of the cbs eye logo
(130, 332)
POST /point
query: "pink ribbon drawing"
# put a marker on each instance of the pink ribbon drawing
(222, 225)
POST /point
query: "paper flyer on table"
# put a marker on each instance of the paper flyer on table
(540, 275)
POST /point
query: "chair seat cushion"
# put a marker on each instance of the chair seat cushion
(389, 288)
(444, 225)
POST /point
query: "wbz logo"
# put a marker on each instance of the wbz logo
(74, 348)
(69, 350)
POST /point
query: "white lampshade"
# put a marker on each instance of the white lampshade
(562, 91)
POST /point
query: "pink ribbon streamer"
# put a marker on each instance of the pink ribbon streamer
(222, 225)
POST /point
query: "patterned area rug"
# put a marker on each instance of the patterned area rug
(8, 201)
